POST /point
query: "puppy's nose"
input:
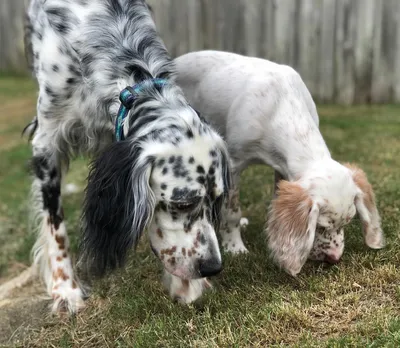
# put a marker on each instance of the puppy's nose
(208, 268)
(332, 259)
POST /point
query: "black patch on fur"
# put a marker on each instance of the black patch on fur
(60, 19)
(213, 153)
(179, 169)
(51, 195)
(219, 201)
(53, 173)
(203, 240)
(200, 169)
(50, 186)
(138, 122)
(116, 207)
(74, 70)
(39, 166)
(49, 91)
(189, 134)
(162, 206)
(201, 180)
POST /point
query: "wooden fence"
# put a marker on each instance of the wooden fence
(12, 56)
(347, 51)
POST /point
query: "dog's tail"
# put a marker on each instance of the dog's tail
(30, 128)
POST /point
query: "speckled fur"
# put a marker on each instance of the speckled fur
(169, 175)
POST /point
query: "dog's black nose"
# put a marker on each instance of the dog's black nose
(209, 268)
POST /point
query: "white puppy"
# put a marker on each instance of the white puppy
(267, 115)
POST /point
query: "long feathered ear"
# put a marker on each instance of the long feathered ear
(227, 182)
(366, 209)
(118, 206)
(291, 226)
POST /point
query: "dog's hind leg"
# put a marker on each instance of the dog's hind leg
(51, 251)
(232, 222)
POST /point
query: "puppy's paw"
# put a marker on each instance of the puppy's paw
(235, 247)
(67, 298)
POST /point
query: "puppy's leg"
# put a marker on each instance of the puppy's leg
(185, 291)
(232, 223)
(51, 251)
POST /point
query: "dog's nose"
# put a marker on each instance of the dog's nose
(332, 259)
(209, 268)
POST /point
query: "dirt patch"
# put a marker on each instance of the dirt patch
(25, 311)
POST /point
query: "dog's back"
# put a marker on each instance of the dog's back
(84, 53)
(248, 100)
(214, 80)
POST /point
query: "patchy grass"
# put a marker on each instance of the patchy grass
(353, 304)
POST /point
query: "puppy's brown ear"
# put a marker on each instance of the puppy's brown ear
(366, 209)
(292, 221)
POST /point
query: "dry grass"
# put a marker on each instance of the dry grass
(353, 304)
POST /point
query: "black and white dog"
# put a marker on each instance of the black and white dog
(160, 168)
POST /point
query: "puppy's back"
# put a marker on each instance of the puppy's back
(214, 81)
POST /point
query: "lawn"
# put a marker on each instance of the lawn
(355, 303)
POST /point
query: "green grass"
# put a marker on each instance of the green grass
(353, 304)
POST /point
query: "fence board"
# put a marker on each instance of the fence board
(396, 57)
(380, 83)
(347, 51)
(326, 61)
(11, 36)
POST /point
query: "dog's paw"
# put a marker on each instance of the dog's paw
(235, 247)
(185, 291)
(67, 298)
(244, 222)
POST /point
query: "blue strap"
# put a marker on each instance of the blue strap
(127, 97)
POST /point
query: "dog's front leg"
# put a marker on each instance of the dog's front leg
(51, 251)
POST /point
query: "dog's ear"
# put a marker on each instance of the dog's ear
(366, 209)
(227, 182)
(291, 226)
(118, 206)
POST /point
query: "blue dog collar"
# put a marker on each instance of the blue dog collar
(127, 97)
